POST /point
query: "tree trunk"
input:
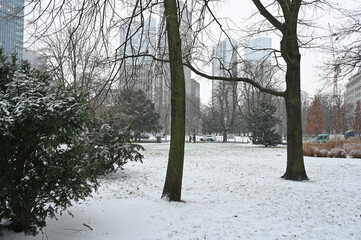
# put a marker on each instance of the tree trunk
(22, 218)
(173, 182)
(290, 51)
(224, 136)
(295, 165)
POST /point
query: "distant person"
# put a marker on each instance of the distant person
(194, 138)
(190, 138)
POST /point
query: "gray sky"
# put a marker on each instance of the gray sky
(312, 78)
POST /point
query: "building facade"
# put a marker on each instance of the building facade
(153, 77)
(352, 95)
(135, 40)
(192, 107)
(224, 63)
(257, 56)
(12, 27)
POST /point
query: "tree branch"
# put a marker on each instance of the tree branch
(236, 79)
(264, 12)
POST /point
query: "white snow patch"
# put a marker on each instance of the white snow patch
(230, 191)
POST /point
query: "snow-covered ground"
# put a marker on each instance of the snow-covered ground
(230, 191)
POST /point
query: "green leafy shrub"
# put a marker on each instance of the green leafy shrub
(109, 144)
(42, 163)
(51, 149)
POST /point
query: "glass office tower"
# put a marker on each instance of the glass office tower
(12, 26)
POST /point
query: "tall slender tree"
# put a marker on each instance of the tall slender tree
(173, 182)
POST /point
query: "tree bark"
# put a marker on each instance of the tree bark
(290, 52)
(173, 182)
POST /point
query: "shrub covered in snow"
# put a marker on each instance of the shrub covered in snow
(42, 165)
(109, 144)
(49, 156)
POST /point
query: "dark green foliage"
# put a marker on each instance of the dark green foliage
(109, 144)
(50, 153)
(134, 107)
(42, 165)
(261, 123)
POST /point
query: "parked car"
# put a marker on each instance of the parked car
(209, 138)
(349, 134)
(144, 136)
(321, 138)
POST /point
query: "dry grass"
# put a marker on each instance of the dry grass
(308, 149)
(335, 148)
(332, 144)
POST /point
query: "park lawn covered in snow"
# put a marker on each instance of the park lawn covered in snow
(230, 191)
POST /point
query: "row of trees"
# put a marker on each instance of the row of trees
(318, 114)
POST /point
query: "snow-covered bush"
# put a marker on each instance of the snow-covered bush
(109, 144)
(52, 150)
(43, 166)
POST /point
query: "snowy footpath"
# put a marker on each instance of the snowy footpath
(230, 191)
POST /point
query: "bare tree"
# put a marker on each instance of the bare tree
(282, 17)
(225, 101)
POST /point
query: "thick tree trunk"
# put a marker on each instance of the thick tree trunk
(290, 51)
(22, 218)
(173, 182)
(295, 165)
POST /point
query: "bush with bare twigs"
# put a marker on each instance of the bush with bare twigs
(335, 148)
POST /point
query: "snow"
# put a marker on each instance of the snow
(230, 191)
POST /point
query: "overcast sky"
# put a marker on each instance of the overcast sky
(312, 80)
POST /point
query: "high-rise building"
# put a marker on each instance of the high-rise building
(224, 64)
(257, 56)
(153, 77)
(192, 107)
(258, 49)
(162, 79)
(353, 94)
(136, 71)
(12, 27)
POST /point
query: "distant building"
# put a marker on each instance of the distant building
(136, 72)
(258, 49)
(224, 61)
(192, 107)
(153, 77)
(257, 56)
(353, 94)
(161, 75)
(12, 27)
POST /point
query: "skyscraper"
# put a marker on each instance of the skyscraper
(224, 63)
(257, 56)
(258, 49)
(12, 26)
(137, 71)
(353, 94)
